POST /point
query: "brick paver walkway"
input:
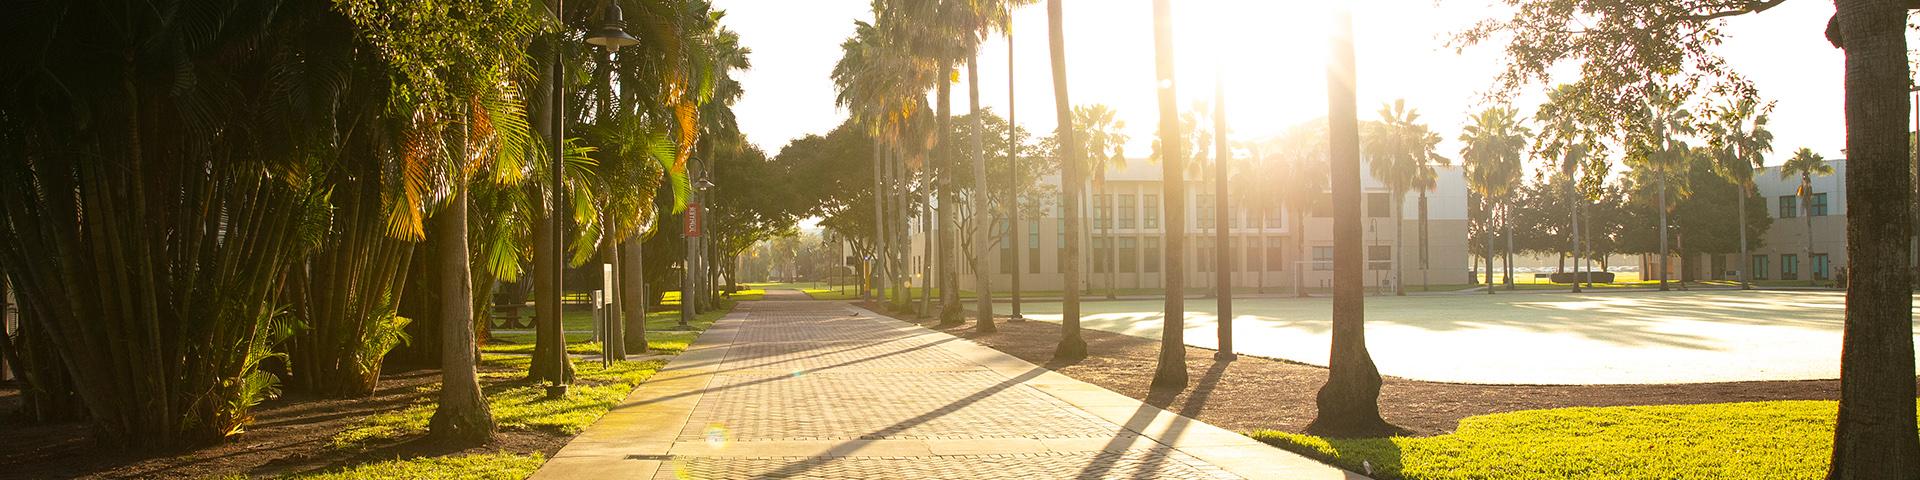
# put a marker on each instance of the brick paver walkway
(786, 388)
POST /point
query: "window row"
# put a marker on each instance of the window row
(1790, 267)
(1790, 205)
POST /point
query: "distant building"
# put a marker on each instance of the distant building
(1126, 234)
(1782, 253)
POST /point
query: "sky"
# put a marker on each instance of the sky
(1274, 73)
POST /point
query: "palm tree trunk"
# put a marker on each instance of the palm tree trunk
(1300, 247)
(1806, 209)
(927, 244)
(1874, 433)
(462, 415)
(633, 293)
(950, 314)
(1399, 253)
(1746, 256)
(1171, 371)
(1349, 403)
(1013, 199)
(880, 200)
(1487, 234)
(1264, 254)
(982, 277)
(613, 339)
(1071, 347)
(1425, 266)
(1573, 194)
(1223, 275)
(1506, 222)
(1663, 232)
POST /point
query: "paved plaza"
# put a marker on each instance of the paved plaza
(786, 388)
(1532, 337)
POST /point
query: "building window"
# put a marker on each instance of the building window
(1820, 265)
(1033, 246)
(1203, 209)
(1379, 257)
(1378, 206)
(1759, 267)
(1233, 216)
(1234, 249)
(1129, 255)
(1818, 206)
(1273, 218)
(1276, 255)
(1127, 210)
(1150, 211)
(1788, 207)
(1151, 255)
(1322, 259)
(1789, 267)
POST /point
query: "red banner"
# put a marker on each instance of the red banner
(694, 220)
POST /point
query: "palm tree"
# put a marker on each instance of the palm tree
(1071, 347)
(1806, 165)
(1740, 142)
(1401, 153)
(1561, 136)
(1425, 179)
(1492, 158)
(1171, 372)
(1349, 403)
(1304, 150)
(977, 19)
(1659, 150)
(1253, 186)
(1105, 150)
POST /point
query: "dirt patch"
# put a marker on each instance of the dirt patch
(1255, 392)
(291, 434)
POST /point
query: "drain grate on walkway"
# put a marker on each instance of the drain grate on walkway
(1154, 464)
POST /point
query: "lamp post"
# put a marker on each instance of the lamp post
(695, 222)
(612, 35)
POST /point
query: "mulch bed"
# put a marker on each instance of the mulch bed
(1252, 393)
(291, 434)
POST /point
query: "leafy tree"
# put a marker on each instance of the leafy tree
(1621, 44)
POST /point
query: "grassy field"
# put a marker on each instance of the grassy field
(1774, 440)
(517, 405)
(660, 334)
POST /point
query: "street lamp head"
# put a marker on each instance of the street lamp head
(613, 29)
(703, 184)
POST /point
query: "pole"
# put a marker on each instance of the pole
(1015, 241)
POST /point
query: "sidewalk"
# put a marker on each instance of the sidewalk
(815, 389)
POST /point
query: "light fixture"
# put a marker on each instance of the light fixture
(613, 29)
(703, 184)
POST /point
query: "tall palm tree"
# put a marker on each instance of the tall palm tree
(1349, 403)
(1659, 149)
(1740, 141)
(1171, 372)
(1253, 186)
(1304, 150)
(1806, 165)
(1425, 179)
(1492, 158)
(1401, 152)
(1072, 346)
(1562, 137)
(976, 20)
(1105, 150)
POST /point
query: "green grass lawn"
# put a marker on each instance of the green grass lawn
(1775, 440)
(660, 338)
(516, 405)
(831, 293)
(489, 466)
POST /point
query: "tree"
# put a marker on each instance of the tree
(1401, 153)
(1806, 165)
(1492, 158)
(1072, 346)
(1349, 403)
(1304, 148)
(1105, 149)
(1654, 145)
(1621, 42)
(1171, 371)
(1740, 141)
